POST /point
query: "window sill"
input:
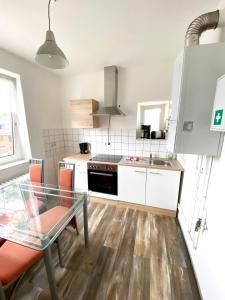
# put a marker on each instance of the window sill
(13, 164)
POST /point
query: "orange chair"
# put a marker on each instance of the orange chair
(47, 221)
(4, 220)
(36, 175)
(15, 260)
(36, 170)
(66, 174)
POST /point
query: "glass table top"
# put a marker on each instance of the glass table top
(33, 214)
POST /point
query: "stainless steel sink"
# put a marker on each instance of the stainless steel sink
(160, 162)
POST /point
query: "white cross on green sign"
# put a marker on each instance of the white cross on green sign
(218, 117)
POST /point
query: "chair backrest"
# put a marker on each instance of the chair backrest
(36, 170)
(66, 172)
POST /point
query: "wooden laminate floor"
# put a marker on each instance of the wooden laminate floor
(132, 255)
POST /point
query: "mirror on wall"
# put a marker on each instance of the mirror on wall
(152, 119)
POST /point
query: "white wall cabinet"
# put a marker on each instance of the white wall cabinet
(162, 188)
(131, 184)
(195, 74)
(81, 181)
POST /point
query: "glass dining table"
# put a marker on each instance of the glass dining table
(34, 215)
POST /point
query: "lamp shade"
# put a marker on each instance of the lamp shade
(50, 55)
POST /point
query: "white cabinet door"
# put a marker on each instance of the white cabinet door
(81, 175)
(162, 188)
(131, 184)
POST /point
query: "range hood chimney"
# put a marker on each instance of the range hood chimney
(110, 107)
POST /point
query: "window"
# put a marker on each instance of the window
(7, 94)
(153, 113)
(153, 116)
(10, 146)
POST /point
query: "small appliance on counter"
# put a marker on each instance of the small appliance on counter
(146, 129)
(160, 134)
(85, 148)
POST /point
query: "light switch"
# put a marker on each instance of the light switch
(188, 125)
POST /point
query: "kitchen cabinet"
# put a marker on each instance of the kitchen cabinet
(81, 181)
(148, 186)
(162, 188)
(131, 184)
(194, 83)
(81, 111)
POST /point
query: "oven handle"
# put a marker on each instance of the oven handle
(101, 174)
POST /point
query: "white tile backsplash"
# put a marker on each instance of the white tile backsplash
(61, 142)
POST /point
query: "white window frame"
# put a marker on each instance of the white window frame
(19, 144)
(164, 104)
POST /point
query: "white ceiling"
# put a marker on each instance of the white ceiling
(96, 33)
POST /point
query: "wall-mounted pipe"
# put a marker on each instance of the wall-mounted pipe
(199, 25)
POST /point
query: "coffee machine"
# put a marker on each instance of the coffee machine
(84, 148)
(146, 130)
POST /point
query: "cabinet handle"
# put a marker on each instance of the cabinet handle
(139, 172)
(155, 173)
(101, 174)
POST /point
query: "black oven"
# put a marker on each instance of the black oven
(102, 178)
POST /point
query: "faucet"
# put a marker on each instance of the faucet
(150, 159)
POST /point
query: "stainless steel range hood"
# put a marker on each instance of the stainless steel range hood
(110, 107)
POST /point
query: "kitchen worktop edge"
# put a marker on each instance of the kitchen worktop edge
(77, 157)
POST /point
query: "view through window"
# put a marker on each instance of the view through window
(152, 116)
(7, 100)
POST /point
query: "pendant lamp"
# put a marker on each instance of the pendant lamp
(49, 54)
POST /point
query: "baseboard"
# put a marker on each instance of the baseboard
(190, 257)
(151, 209)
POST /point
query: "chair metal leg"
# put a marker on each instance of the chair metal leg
(2, 292)
(75, 225)
(18, 282)
(85, 215)
(59, 252)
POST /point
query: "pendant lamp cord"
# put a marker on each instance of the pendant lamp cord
(49, 19)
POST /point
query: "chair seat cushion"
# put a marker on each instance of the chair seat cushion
(33, 206)
(46, 221)
(15, 259)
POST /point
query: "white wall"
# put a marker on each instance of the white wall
(136, 83)
(41, 99)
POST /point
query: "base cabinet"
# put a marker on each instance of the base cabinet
(153, 187)
(131, 184)
(162, 188)
(81, 181)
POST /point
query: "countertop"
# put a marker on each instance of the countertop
(143, 162)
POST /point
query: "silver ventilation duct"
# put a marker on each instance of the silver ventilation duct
(199, 25)
(110, 94)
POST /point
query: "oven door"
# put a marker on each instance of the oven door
(102, 182)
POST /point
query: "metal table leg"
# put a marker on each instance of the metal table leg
(2, 293)
(85, 214)
(50, 273)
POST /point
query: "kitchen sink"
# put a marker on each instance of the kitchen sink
(160, 162)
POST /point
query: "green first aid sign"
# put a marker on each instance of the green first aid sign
(218, 117)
